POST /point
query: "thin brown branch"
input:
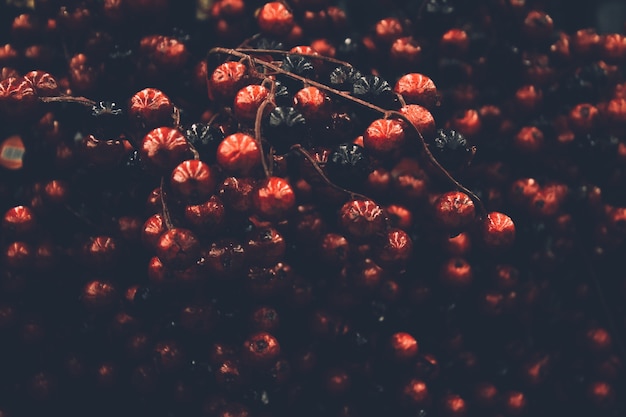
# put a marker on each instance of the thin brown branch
(344, 95)
(311, 56)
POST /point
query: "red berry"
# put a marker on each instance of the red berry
(455, 42)
(152, 230)
(226, 80)
(178, 248)
(18, 255)
(415, 393)
(334, 249)
(403, 346)
(529, 140)
(417, 89)
(274, 198)
(45, 85)
(312, 103)
(98, 295)
(17, 96)
(384, 136)
(395, 250)
(275, 19)
(362, 218)
(19, 221)
(151, 108)
(193, 180)
(260, 348)
(405, 52)
(248, 101)
(456, 273)
(237, 193)
(421, 119)
(454, 210)
(388, 29)
(497, 231)
(164, 147)
(239, 154)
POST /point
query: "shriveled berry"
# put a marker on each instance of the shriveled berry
(225, 259)
(178, 248)
(208, 216)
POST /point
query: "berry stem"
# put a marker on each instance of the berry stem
(68, 99)
(166, 212)
(368, 105)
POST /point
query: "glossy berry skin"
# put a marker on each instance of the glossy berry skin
(362, 218)
(275, 19)
(239, 154)
(208, 216)
(497, 231)
(226, 80)
(421, 118)
(193, 180)
(163, 148)
(152, 230)
(454, 210)
(274, 198)
(417, 89)
(312, 103)
(178, 248)
(384, 136)
(260, 349)
(151, 108)
(248, 101)
(19, 221)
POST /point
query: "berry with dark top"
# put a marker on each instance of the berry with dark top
(450, 148)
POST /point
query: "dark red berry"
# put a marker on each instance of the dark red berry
(178, 248)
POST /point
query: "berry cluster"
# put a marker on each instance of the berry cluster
(252, 208)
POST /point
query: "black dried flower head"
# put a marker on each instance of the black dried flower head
(106, 108)
(282, 95)
(268, 43)
(373, 89)
(297, 65)
(348, 165)
(284, 127)
(450, 148)
(205, 139)
(344, 76)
